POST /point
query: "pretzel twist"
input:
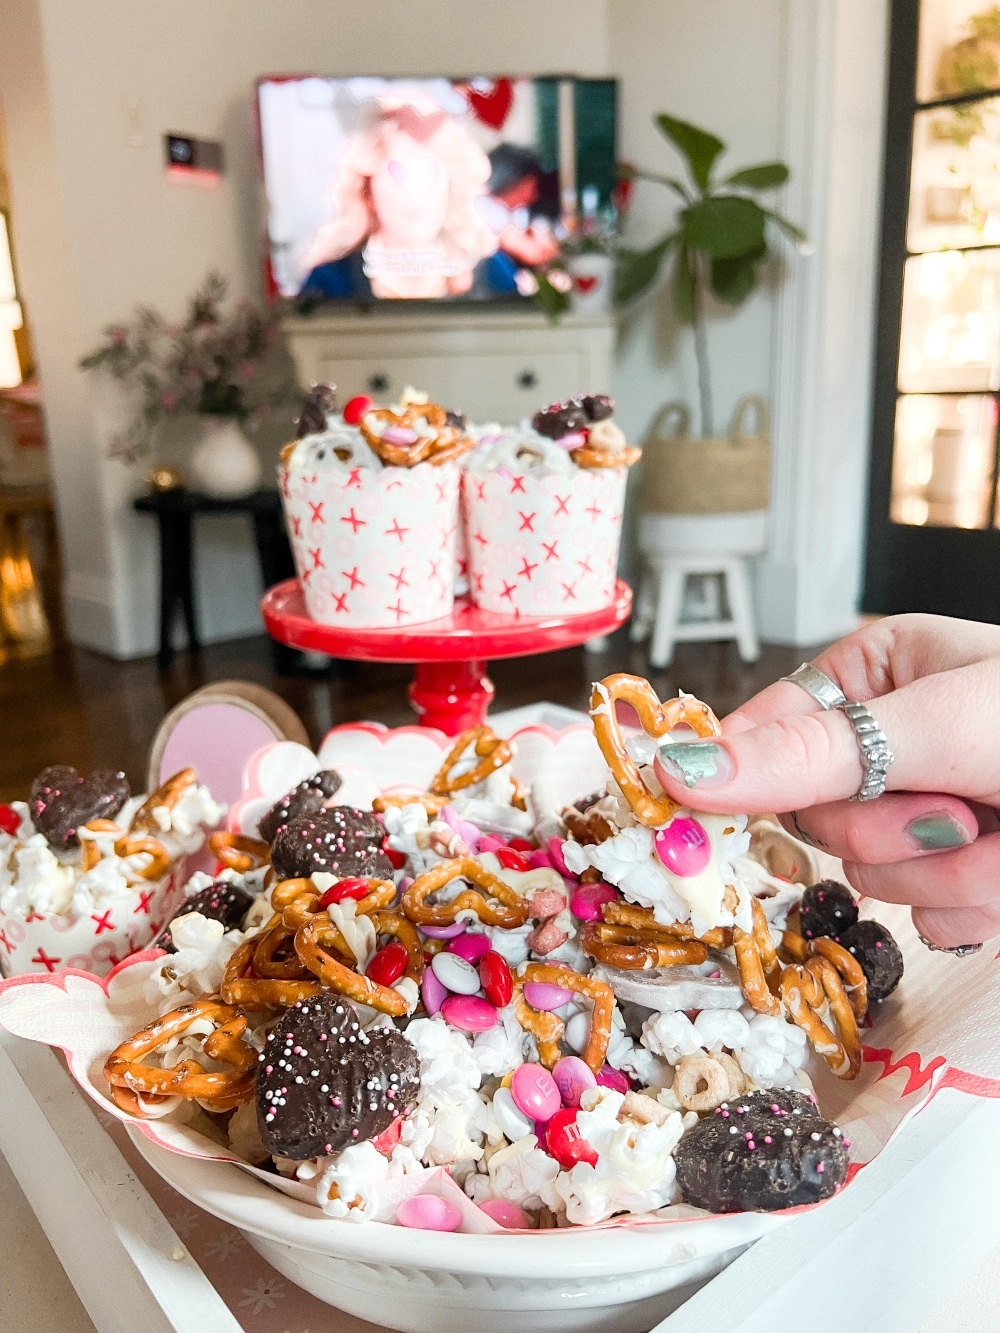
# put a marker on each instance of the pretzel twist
(657, 720)
(441, 446)
(160, 858)
(635, 950)
(809, 989)
(90, 853)
(757, 960)
(491, 750)
(587, 457)
(166, 795)
(504, 906)
(224, 1089)
(239, 852)
(268, 944)
(851, 973)
(295, 900)
(240, 984)
(547, 1033)
(311, 941)
(642, 918)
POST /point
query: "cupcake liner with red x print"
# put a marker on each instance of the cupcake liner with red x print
(542, 543)
(374, 547)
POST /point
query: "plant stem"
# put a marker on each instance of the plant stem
(701, 347)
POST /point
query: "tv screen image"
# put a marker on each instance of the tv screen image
(427, 189)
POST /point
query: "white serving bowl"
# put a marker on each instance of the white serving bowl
(624, 1279)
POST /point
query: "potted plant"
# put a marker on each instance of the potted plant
(212, 364)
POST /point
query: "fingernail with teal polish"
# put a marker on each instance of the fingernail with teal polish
(937, 831)
(696, 763)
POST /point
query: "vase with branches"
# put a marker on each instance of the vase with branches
(721, 235)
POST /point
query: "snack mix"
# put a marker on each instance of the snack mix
(581, 1014)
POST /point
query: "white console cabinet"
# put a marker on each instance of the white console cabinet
(495, 364)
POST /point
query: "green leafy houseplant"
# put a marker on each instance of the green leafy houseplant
(721, 237)
(212, 363)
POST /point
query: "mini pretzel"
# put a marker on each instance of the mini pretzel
(657, 719)
(585, 456)
(443, 444)
(539, 1022)
(491, 750)
(296, 899)
(642, 918)
(693, 1071)
(240, 985)
(433, 805)
(621, 946)
(239, 852)
(168, 795)
(335, 975)
(127, 845)
(124, 1067)
(268, 944)
(806, 990)
(504, 907)
(90, 853)
(851, 972)
(758, 963)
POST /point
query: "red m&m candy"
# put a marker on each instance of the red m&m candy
(355, 408)
(10, 820)
(388, 965)
(565, 1143)
(495, 975)
(511, 860)
(344, 888)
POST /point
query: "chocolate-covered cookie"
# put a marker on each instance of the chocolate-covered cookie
(827, 908)
(598, 406)
(340, 841)
(308, 798)
(319, 404)
(323, 1083)
(768, 1150)
(220, 901)
(879, 955)
(61, 801)
(559, 419)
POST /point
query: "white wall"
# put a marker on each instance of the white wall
(100, 226)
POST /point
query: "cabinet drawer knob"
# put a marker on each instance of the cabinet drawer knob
(378, 383)
(527, 379)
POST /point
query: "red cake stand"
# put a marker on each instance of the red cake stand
(450, 690)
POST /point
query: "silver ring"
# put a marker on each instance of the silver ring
(818, 685)
(956, 951)
(875, 753)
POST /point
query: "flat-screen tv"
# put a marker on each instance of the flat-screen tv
(427, 189)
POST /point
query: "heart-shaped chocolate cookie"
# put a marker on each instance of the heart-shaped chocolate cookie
(308, 798)
(323, 1083)
(61, 801)
(340, 841)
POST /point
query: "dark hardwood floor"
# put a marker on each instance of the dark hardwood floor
(77, 707)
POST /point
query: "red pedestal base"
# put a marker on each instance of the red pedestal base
(452, 696)
(451, 690)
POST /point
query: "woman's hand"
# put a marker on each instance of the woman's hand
(933, 839)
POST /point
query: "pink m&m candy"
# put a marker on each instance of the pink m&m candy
(543, 995)
(400, 435)
(573, 1077)
(683, 846)
(444, 932)
(506, 1213)
(535, 1092)
(609, 1077)
(433, 992)
(588, 900)
(469, 1013)
(470, 947)
(428, 1213)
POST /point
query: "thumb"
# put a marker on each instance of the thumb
(938, 729)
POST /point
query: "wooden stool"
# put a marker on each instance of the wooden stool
(678, 546)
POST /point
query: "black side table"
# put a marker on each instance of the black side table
(175, 512)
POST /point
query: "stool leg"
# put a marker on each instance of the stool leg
(645, 607)
(668, 611)
(168, 590)
(741, 606)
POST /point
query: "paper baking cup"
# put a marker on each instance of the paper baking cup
(374, 547)
(543, 545)
(96, 941)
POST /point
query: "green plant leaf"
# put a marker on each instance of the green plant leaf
(698, 147)
(637, 269)
(684, 286)
(765, 177)
(794, 233)
(554, 302)
(670, 181)
(732, 280)
(724, 226)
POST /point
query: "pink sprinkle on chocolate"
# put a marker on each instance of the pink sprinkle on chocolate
(820, 1167)
(775, 1107)
(751, 1145)
(878, 944)
(768, 1139)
